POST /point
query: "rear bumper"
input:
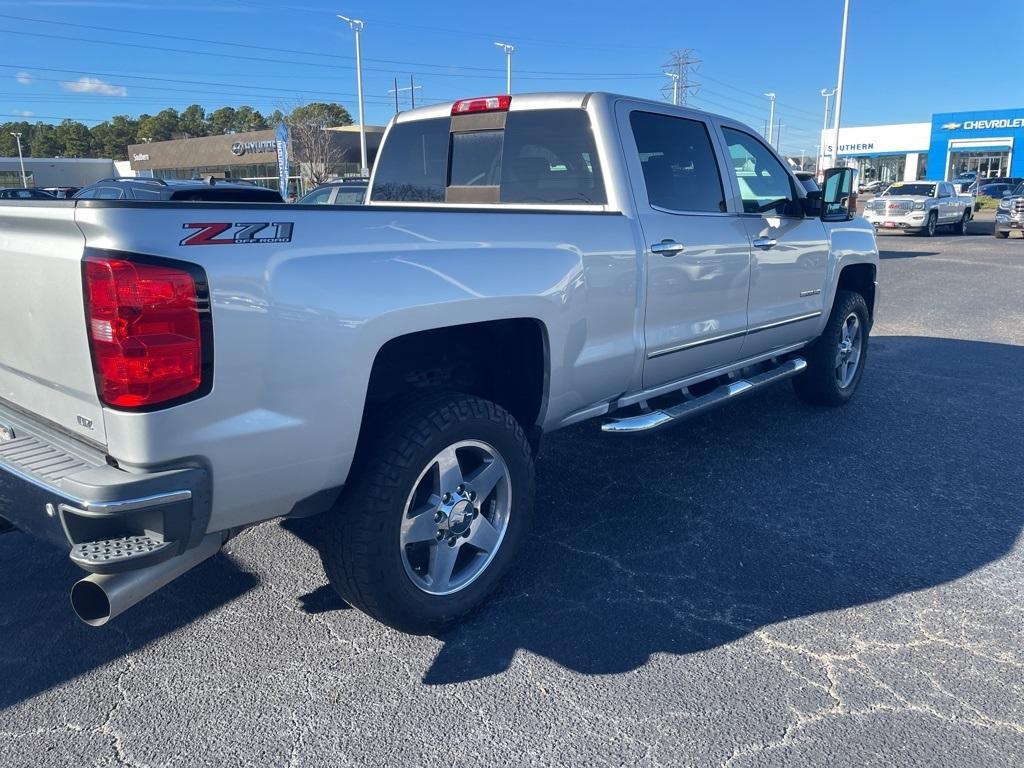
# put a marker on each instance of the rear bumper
(68, 495)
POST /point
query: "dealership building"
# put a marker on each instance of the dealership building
(249, 156)
(57, 171)
(990, 143)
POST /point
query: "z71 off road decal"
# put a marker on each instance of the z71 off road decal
(210, 233)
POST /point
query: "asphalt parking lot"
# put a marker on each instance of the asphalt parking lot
(768, 585)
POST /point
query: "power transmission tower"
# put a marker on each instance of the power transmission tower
(681, 67)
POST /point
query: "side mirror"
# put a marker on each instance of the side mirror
(839, 202)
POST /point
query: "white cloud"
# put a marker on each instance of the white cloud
(25, 113)
(24, 78)
(94, 85)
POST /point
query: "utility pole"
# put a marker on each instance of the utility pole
(509, 49)
(681, 66)
(771, 115)
(839, 85)
(357, 26)
(778, 136)
(21, 160)
(411, 88)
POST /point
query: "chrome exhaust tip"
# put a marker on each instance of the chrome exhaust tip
(98, 598)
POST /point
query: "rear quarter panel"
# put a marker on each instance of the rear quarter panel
(297, 326)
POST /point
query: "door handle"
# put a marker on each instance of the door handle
(667, 248)
(764, 243)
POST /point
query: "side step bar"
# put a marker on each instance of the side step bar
(661, 418)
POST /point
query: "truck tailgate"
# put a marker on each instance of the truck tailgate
(45, 365)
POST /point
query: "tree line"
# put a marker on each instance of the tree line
(71, 138)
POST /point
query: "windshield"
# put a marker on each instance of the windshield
(1019, 191)
(921, 190)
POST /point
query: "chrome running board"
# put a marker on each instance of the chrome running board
(664, 417)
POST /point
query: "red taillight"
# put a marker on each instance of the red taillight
(144, 330)
(482, 104)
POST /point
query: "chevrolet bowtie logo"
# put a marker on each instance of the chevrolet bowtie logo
(951, 126)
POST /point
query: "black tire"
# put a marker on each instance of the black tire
(819, 384)
(960, 228)
(1000, 235)
(931, 225)
(360, 545)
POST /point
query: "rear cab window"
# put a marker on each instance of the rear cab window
(527, 157)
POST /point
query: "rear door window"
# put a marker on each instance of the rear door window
(109, 193)
(320, 196)
(350, 196)
(680, 170)
(142, 193)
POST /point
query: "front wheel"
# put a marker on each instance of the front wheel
(1001, 235)
(439, 501)
(960, 228)
(931, 225)
(835, 360)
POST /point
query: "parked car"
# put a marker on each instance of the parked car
(873, 187)
(995, 190)
(920, 206)
(342, 192)
(25, 193)
(1010, 213)
(523, 263)
(209, 190)
(61, 193)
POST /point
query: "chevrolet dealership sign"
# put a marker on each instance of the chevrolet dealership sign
(984, 125)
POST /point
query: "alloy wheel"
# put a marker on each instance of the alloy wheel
(849, 351)
(455, 518)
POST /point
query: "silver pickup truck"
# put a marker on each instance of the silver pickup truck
(922, 207)
(1010, 214)
(172, 373)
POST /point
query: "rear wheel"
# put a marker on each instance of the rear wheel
(437, 506)
(835, 360)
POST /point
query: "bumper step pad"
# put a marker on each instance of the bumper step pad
(116, 555)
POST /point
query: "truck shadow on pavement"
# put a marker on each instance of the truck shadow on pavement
(42, 644)
(770, 511)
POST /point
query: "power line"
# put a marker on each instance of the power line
(269, 49)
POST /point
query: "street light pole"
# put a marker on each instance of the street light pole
(839, 85)
(771, 116)
(21, 160)
(357, 27)
(509, 49)
(824, 125)
(675, 87)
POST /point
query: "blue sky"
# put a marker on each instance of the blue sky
(906, 59)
